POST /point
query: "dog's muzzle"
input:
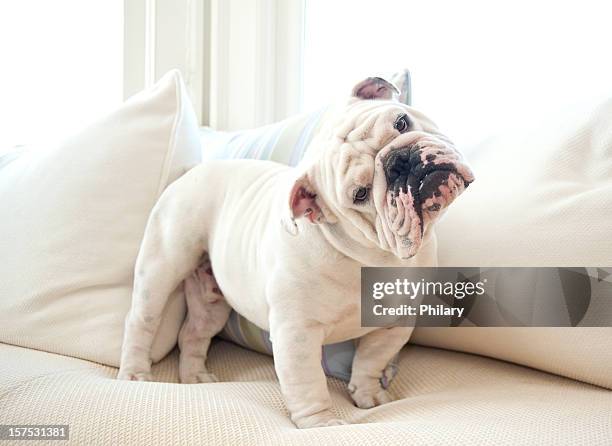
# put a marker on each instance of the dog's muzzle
(421, 182)
(406, 171)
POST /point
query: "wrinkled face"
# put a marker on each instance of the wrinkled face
(384, 173)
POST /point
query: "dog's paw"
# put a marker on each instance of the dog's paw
(368, 397)
(331, 423)
(198, 378)
(129, 375)
(321, 419)
(207, 378)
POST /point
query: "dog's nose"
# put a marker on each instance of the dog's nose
(397, 165)
(403, 168)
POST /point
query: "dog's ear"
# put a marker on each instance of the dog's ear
(402, 81)
(303, 201)
(375, 88)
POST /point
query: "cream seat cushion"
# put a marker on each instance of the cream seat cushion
(72, 217)
(443, 398)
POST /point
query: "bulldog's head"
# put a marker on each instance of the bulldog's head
(377, 175)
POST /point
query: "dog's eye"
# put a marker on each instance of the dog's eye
(361, 194)
(402, 123)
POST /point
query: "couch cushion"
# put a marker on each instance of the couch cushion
(72, 219)
(442, 398)
(543, 197)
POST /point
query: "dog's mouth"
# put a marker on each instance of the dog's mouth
(421, 182)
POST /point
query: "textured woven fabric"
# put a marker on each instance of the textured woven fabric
(442, 398)
(543, 197)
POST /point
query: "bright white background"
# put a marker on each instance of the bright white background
(61, 66)
(476, 65)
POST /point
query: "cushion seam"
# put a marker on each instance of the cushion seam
(171, 148)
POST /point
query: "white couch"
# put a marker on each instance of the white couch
(64, 294)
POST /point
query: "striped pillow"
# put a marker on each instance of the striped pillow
(284, 142)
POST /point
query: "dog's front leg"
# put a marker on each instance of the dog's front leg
(374, 352)
(297, 359)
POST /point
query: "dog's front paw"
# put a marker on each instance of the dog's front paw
(198, 378)
(366, 397)
(321, 419)
(134, 375)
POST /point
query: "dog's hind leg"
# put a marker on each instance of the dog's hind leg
(172, 246)
(207, 313)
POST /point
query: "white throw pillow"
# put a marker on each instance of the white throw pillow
(542, 197)
(71, 220)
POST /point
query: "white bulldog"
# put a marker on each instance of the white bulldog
(287, 245)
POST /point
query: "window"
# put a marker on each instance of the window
(61, 66)
(476, 65)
